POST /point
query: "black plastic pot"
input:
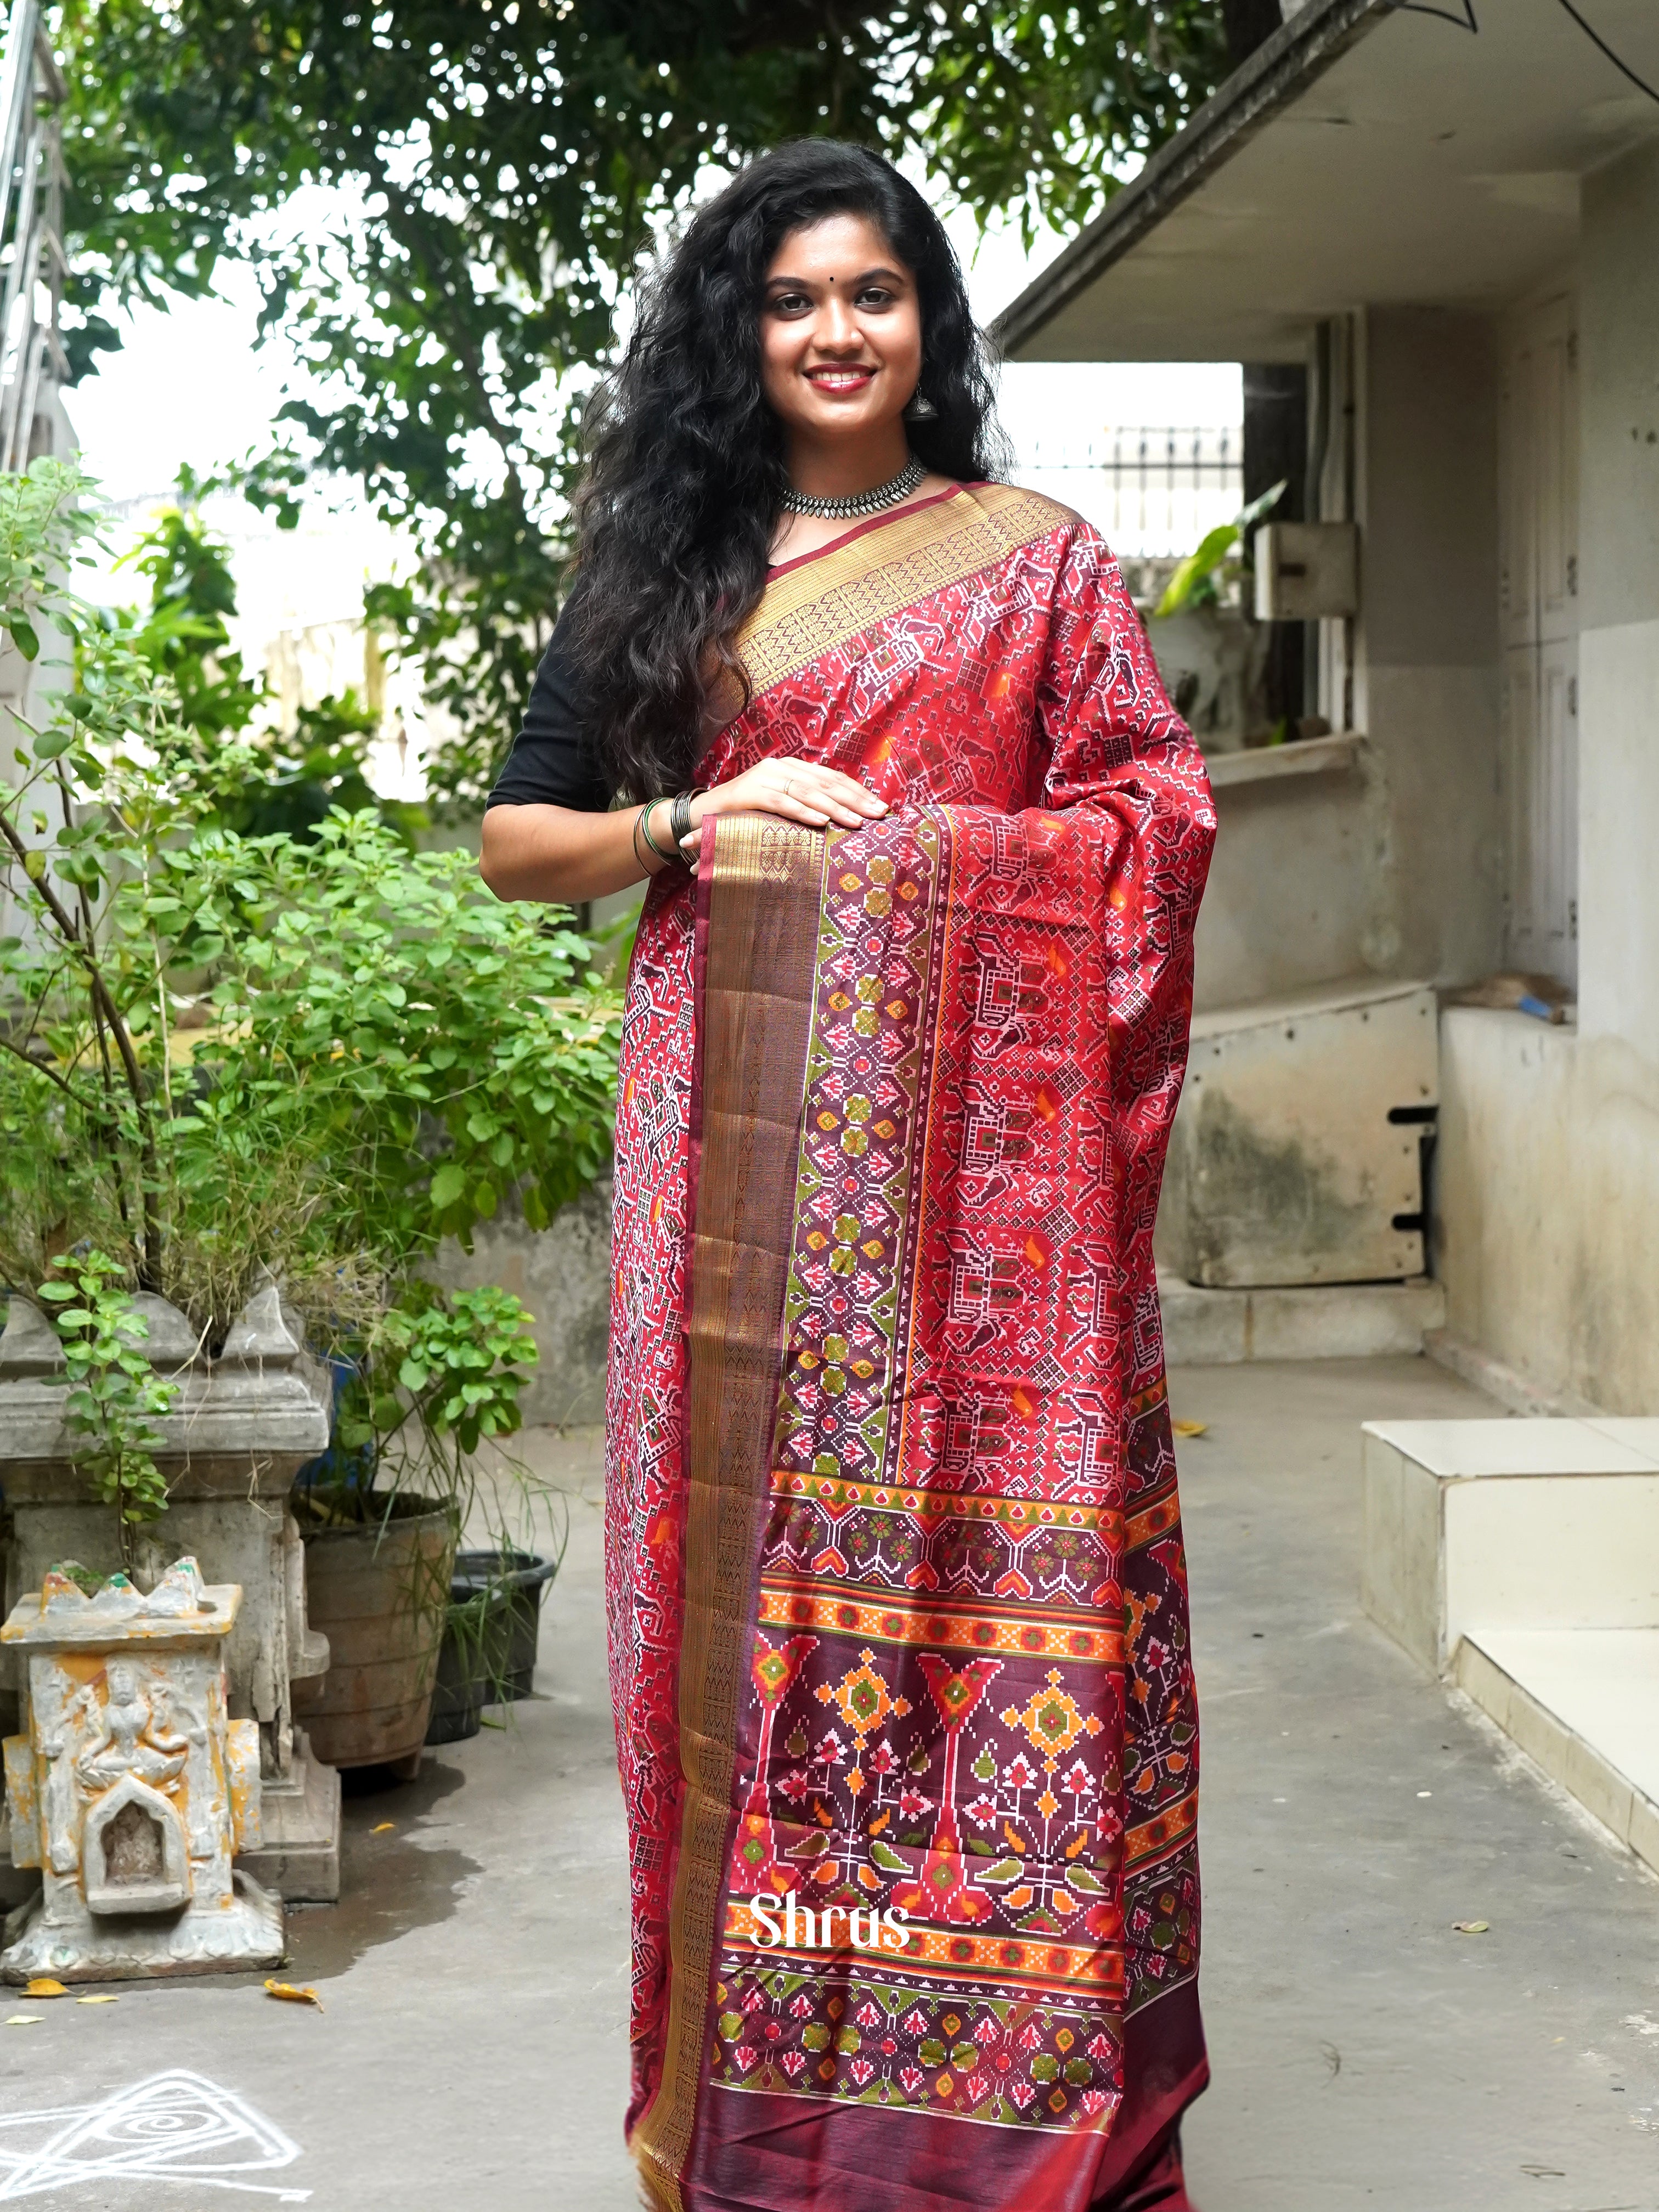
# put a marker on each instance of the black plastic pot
(458, 1692)
(488, 1651)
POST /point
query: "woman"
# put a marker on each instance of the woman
(898, 1633)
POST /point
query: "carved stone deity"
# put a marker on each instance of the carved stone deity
(133, 1790)
(244, 1419)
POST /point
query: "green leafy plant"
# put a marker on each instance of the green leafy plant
(221, 1054)
(463, 1362)
(251, 775)
(1221, 559)
(185, 633)
(428, 1049)
(115, 1395)
(321, 764)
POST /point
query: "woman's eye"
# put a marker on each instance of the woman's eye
(790, 303)
(875, 295)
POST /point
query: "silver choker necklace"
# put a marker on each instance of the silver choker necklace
(859, 502)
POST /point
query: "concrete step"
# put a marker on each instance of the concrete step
(1584, 1704)
(1508, 1524)
(1522, 1559)
(1333, 1321)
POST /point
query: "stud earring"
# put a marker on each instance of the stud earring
(919, 408)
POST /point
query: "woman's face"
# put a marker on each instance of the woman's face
(840, 331)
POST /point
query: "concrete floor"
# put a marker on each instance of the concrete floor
(472, 2052)
(1353, 1810)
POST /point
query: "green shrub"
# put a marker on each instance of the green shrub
(221, 1054)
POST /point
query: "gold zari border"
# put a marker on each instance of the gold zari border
(763, 930)
(811, 609)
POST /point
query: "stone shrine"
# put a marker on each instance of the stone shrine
(133, 1790)
(245, 1418)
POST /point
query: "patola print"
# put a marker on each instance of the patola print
(982, 1806)
(955, 1698)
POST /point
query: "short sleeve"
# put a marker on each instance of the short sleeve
(554, 761)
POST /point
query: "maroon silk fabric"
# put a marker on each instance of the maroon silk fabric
(960, 1685)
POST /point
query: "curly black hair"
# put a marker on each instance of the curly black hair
(686, 472)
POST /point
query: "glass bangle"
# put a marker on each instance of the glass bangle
(643, 826)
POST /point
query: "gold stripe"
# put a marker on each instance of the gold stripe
(808, 610)
(758, 1004)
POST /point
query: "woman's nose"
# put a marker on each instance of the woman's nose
(837, 325)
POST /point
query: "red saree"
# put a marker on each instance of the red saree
(898, 1605)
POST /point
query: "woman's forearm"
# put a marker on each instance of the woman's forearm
(554, 854)
(558, 856)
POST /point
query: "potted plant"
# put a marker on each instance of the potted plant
(382, 1513)
(491, 1633)
(1209, 649)
(305, 1056)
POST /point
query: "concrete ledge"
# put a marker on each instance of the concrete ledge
(1566, 1756)
(298, 1856)
(1344, 750)
(1338, 1321)
(1471, 1526)
(1287, 1166)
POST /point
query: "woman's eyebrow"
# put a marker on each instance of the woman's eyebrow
(864, 276)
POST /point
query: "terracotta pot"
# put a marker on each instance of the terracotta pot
(379, 1595)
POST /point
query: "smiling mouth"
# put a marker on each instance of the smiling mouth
(840, 380)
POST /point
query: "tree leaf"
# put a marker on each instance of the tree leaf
(1212, 551)
(448, 1184)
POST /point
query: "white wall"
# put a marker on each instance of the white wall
(1426, 652)
(1548, 1174)
(1547, 1204)
(1619, 664)
(1295, 895)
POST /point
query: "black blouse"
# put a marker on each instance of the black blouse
(553, 762)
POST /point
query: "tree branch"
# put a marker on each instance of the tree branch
(51, 1074)
(150, 1272)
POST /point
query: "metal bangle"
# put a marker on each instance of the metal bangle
(679, 820)
(642, 824)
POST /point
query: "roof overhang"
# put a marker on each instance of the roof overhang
(1367, 153)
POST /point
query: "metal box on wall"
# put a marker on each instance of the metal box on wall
(1297, 1154)
(1306, 571)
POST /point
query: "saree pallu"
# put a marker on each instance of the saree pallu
(897, 1609)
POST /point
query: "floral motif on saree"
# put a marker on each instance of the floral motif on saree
(898, 1619)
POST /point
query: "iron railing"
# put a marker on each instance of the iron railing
(1149, 490)
(32, 358)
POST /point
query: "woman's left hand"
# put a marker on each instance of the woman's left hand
(802, 791)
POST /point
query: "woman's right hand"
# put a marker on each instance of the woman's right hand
(798, 790)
